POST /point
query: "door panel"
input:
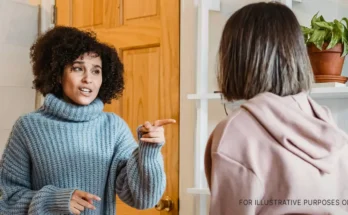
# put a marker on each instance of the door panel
(137, 9)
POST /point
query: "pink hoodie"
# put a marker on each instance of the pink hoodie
(278, 155)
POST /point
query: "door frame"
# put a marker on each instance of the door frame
(46, 21)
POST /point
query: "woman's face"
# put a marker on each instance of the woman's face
(82, 79)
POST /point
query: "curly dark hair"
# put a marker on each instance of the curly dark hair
(59, 47)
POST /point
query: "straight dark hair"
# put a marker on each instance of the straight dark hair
(262, 49)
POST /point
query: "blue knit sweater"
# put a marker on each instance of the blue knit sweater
(63, 147)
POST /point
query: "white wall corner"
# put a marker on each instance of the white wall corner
(289, 2)
(214, 5)
(46, 15)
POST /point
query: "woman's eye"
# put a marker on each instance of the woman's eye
(97, 72)
(77, 69)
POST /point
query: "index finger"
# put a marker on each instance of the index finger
(91, 196)
(147, 125)
(164, 122)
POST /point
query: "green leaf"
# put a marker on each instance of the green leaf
(334, 40)
(337, 32)
(345, 49)
(345, 43)
(346, 20)
(339, 25)
(328, 36)
(321, 19)
(325, 25)
(306, 30)
(314, 19)
(317, 38)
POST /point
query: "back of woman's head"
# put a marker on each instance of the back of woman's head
(262, 49)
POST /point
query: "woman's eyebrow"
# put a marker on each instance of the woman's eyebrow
(96, 66)
(79, 62)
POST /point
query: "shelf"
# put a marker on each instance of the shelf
(204, 96)
(317, 93)
(329, 93)
(198, 191)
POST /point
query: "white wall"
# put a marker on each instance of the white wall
(187, 119)
(19, 27)
(304, 11)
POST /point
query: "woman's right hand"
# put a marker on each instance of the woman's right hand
(81, 200)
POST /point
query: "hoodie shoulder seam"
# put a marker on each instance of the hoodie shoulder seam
(240, 164)
(223, 125)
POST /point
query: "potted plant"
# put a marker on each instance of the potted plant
(327, 44)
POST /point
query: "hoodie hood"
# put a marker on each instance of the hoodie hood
(300, 125)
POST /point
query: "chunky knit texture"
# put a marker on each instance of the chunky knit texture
(63, 147)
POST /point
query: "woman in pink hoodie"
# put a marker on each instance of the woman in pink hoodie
(280, 152)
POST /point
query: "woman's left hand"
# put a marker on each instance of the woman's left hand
(154, 133)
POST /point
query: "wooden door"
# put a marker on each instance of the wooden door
(146, 35)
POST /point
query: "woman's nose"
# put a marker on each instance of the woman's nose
(87, 79)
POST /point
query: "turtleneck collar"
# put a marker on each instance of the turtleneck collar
(71, 112)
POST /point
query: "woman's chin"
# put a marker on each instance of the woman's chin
(83, 103)
(82, 100)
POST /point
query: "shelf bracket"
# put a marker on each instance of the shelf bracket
(213, 5)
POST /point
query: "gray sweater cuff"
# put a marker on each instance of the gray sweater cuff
(59, 201)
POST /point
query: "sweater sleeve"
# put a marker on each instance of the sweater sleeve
(140, 176)
(16, 194)
(234, 188)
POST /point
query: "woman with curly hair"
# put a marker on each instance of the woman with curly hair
(69, 156)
